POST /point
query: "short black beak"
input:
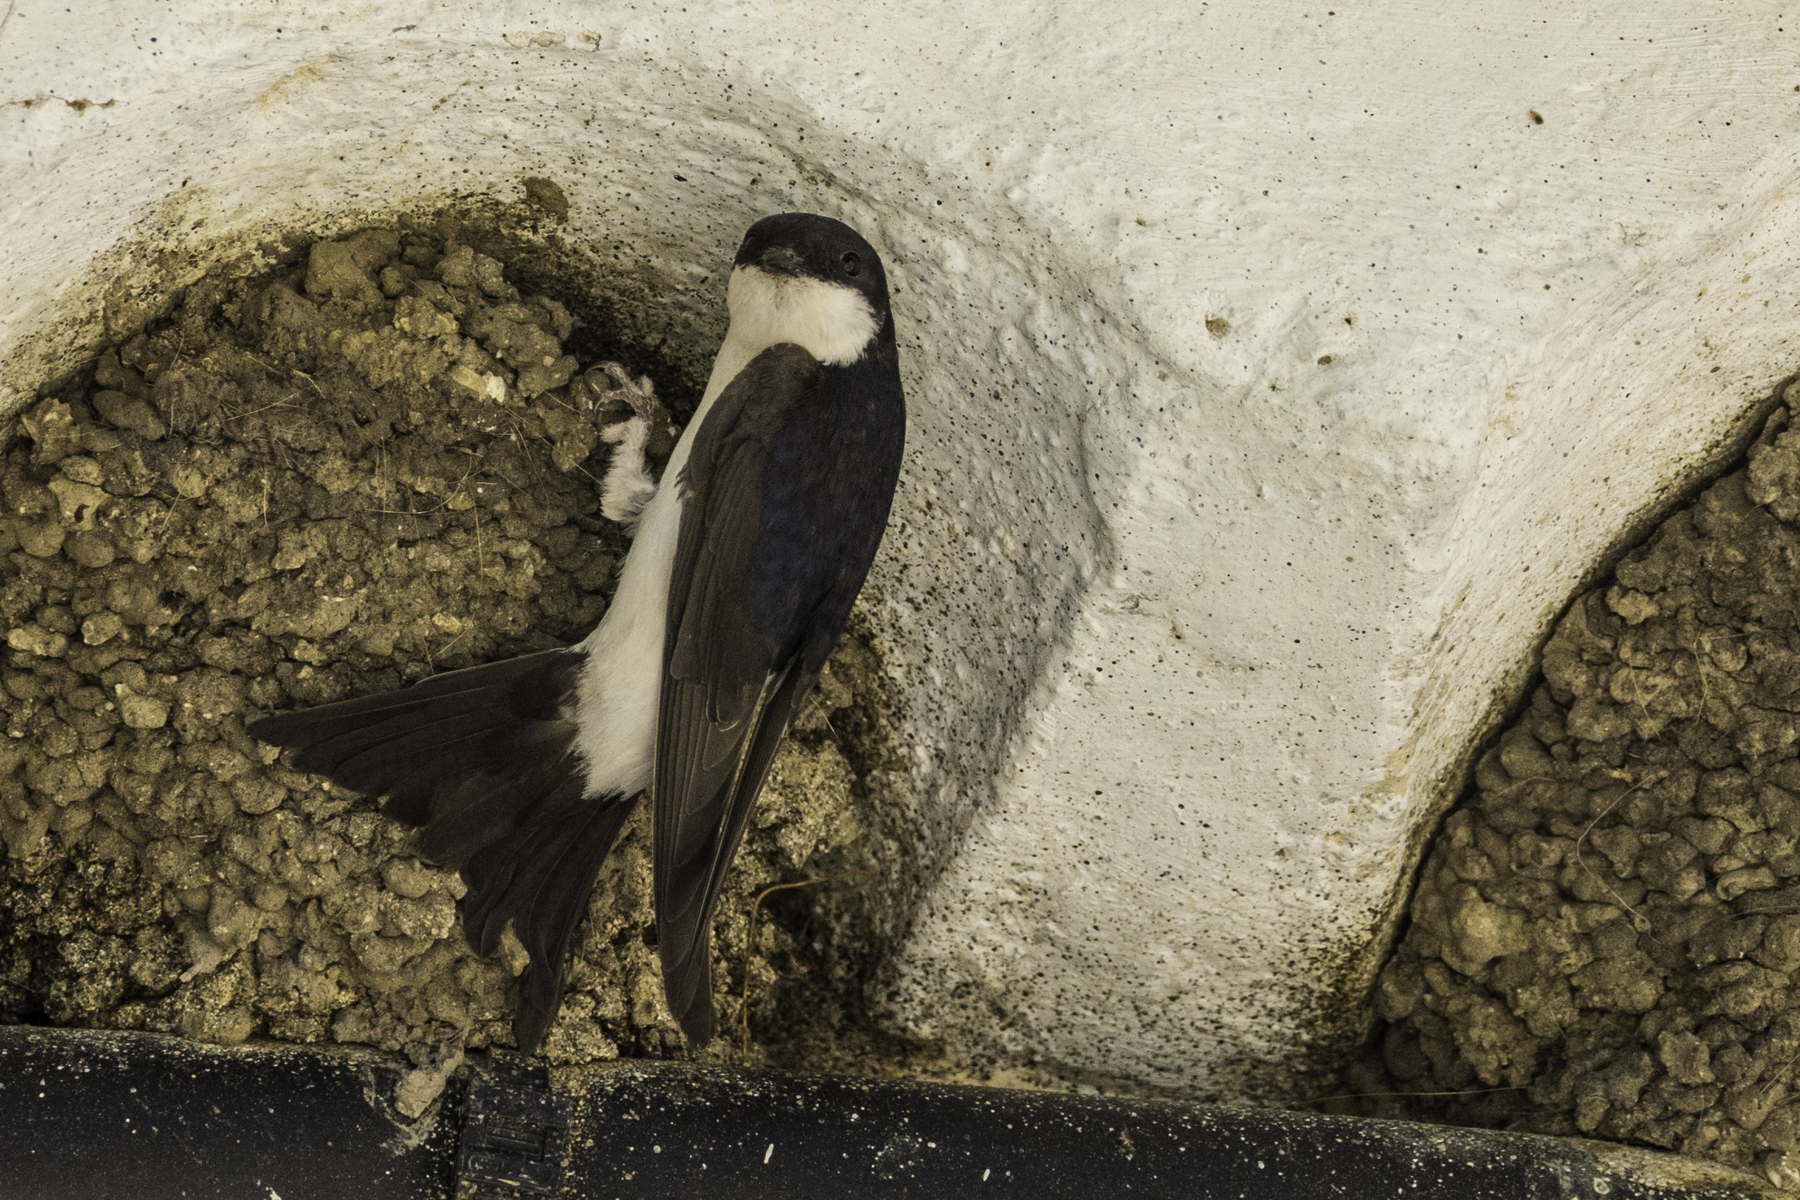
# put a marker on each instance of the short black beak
(780, 260)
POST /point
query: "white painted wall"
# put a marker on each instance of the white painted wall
(1190, 624)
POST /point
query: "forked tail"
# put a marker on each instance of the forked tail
(482, 761)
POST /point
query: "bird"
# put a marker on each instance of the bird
(746, 558)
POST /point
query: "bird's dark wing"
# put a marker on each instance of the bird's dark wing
(482, 761)
(721, 671)
(784, 499)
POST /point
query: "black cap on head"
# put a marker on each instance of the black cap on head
(816, 247)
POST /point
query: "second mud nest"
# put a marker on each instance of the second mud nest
(1606, 937)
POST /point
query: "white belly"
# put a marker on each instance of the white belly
(621, 685)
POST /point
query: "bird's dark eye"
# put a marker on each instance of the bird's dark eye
(852, 262)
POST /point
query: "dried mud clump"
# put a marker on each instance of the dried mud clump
(1606, 937)
(313, 481)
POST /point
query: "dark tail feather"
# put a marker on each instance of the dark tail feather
(505, 720)
(539, 878)
(482, 760)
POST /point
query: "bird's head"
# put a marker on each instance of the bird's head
(811, 281)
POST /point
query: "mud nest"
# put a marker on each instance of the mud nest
(1605, 941)
(316, 480)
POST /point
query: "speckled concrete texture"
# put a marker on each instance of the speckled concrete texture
(1276, 375)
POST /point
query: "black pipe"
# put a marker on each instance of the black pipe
(663, 1131)
(96, 1116)
(99, 1116)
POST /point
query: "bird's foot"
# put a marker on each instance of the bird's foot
(629, 481)
(639, 395)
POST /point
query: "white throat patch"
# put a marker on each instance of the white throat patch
(830, 322)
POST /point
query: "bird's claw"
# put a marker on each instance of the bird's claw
(629, 483)
(639, 394)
